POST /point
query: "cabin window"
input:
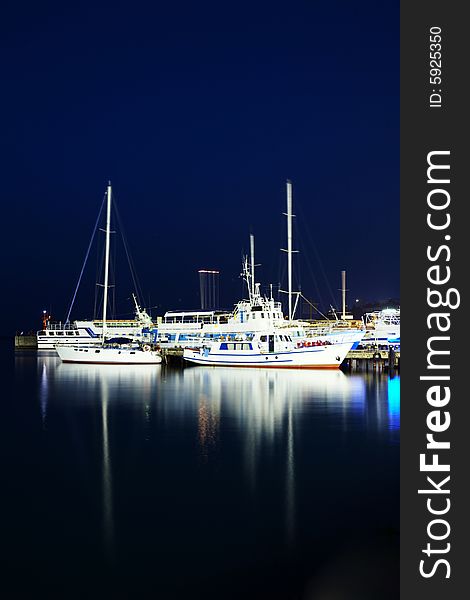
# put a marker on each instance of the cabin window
(262, 315)
(42, 333)
(69, 333)
(59, 333)
(97, 351)
(51, 333)
(77, 333)
(231, 346)
(263, 338)
(223, 346)
(246, 346)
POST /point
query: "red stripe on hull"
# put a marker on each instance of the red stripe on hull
(274, 366)
(91, 362)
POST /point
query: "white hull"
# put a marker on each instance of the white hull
(380, 338)
(382, 327)
(107, 356)
(317, 357)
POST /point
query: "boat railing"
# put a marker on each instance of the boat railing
(58, 325)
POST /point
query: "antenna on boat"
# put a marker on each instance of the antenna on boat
(106, 258)
(246, 275)
(137, 307)
(252, 253)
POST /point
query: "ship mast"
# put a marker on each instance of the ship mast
(289, 251)
(106, 258)
(289, 246)
(343, 292)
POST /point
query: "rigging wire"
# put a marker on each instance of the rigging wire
(135, 280)
(67, 320)
(311, 270)
(282, 267)
(98, 277)
(113, 280)
(317, 255)
(314, 307)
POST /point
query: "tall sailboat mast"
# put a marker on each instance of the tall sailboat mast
(106, 259)
(289, 246)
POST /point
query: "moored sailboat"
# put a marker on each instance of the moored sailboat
(113, 351)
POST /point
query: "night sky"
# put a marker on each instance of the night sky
(198, 112)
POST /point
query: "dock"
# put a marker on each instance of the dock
(372, 359)
(25, 342)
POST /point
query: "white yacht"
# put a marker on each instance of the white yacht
(382, 327)
(108, 351)
(270, 349)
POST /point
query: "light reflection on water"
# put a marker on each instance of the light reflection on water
(393, 397)
(108, 522)
(260, 403)
(43, 391)
(266, 409)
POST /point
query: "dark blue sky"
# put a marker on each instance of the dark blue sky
(198, 112)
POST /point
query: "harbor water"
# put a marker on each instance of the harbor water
(198, 482)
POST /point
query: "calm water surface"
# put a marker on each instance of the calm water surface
(159, 482)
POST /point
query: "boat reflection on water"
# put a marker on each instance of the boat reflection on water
(126, 383)
(108, 521)
(261, 399)
(263, 406)
(107, 385)
(262, 422)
